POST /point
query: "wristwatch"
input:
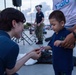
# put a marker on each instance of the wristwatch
(74, 34)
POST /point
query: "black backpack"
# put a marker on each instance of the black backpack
(46, 57)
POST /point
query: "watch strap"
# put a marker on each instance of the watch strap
(74, 35)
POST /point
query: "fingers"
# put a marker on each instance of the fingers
(71, 47)
(38, 54)
(57, 43)
(67, 45)
(63, 44)
(36, 49)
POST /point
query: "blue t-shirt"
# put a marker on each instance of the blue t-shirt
(8, 52)
(62, 57)
(39, 17)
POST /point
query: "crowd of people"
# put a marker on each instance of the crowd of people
(11, 25)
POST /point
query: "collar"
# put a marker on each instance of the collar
(61, 31)
(3, 33)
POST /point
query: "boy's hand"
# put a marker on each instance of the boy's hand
(57, 43)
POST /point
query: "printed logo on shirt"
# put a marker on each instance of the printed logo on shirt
(62, 38)
(61, 4)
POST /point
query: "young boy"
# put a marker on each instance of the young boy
(70, 16)
(11, 25)
(62, 57)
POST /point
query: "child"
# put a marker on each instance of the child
(62, 57)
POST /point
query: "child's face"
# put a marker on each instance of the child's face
(56, 26)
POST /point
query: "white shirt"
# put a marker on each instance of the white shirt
(68, 7)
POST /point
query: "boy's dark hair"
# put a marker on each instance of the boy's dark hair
(58, 15)
(6, 17)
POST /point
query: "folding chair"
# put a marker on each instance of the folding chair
(26, 38)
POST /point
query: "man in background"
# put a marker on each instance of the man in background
(39, 24)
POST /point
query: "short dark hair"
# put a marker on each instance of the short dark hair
(58, 15)
(9, 14)
(39, 6)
